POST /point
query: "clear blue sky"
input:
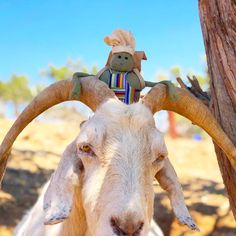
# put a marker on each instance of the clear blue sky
(34, 34)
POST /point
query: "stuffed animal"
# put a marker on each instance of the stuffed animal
(122, 70)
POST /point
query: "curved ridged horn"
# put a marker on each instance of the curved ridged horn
(190, 107)
(93, 93)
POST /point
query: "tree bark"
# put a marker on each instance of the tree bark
(218, 21)
(172, 125)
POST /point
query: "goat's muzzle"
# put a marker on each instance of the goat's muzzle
(129, 226)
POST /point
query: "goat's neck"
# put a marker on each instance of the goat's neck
(76, 224)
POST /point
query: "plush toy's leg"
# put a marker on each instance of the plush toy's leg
(169, 182)
(170, 87)
(77, 86)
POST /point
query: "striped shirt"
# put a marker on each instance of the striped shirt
(119, 84)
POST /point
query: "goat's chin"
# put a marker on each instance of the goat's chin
(105, 231)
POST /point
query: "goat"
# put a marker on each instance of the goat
(103, 184)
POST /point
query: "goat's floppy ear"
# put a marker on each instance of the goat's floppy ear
(58, 198)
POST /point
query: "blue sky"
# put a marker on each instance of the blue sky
(34, 34)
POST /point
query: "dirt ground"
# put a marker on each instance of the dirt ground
(37, 152)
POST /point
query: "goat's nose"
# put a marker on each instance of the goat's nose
(127, 227)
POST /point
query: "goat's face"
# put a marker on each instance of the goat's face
(121, 151)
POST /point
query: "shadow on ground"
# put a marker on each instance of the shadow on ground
(208, 205)
(21, 189)
(21, 185)
(206, 200)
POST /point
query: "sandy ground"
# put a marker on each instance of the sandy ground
(37, 152)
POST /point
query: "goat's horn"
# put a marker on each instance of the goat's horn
(190, 107)
(93, 93)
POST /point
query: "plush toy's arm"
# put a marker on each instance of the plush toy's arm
(105, 76)
(140, 77)
(169, 182)
(150, 84)
(134, 80)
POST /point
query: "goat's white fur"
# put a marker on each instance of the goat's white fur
(117, 182)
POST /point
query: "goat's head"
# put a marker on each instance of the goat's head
(115, 157)
(118, 152)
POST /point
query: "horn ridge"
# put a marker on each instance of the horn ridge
(93, 93)
(52, 95)
(192, 108)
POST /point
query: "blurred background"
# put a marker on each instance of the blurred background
(45, 41)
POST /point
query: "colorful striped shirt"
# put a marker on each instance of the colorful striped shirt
(119, 84)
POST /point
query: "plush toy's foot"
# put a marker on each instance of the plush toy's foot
(77, 86)
(76, 90)
(171, 89)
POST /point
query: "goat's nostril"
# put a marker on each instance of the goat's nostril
(129, 227)
(115, 224)
(139, 228)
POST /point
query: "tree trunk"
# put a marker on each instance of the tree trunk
(172, 125)
(218, 21)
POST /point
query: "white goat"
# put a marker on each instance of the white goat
(103, 184)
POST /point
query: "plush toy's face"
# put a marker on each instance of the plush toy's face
(122, 61)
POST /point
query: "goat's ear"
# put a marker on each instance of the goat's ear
(58, 198)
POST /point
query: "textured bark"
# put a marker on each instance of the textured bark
(218, 21)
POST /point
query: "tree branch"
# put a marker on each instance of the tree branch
(195, 89)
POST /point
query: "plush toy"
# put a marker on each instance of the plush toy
(122, 70)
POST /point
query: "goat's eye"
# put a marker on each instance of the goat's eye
(86, 149)
(159, 159)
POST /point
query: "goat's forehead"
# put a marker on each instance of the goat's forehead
(134, 115)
